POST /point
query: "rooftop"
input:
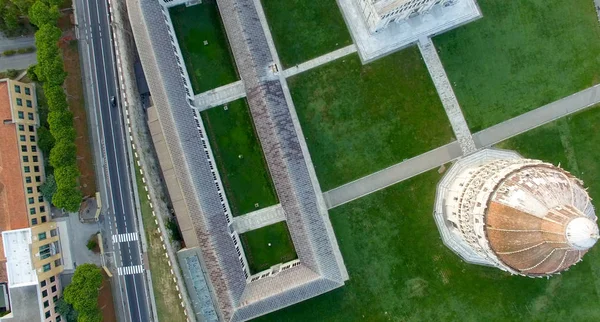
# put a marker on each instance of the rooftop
(17, 244)
(13, 211)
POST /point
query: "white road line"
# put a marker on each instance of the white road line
(126, 237)
(130, 270)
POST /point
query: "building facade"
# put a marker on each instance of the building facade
(523, 216)
(24, 208)
(378, 14)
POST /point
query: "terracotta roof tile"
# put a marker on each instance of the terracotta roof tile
(13, 210)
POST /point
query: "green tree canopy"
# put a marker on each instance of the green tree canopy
(83, 292)
(61, 126)
(40, 14)
(68, 198)
(66, 310)
(56, 98)
(63, 154)
(66, 176)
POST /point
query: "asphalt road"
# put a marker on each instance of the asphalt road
(17, 61)
(94, 29)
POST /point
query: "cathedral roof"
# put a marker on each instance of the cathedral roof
(540, 220)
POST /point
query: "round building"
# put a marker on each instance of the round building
(524, 216)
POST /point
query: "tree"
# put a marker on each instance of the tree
(83, 292)
(66, 310)
(63, 154)
(61, 126)
(68, 198)
(48, 188)
(45, 140)
(40, 14)
(66, 176)
(55, 96)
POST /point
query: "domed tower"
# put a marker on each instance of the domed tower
(524, 216)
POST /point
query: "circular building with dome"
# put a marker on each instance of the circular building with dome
(523, 216)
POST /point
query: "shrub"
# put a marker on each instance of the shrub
(26, 50)
(48, 188)
(12, 73)
(9, 52)
(45, 140)
(31, 73)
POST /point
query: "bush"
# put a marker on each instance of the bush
(31, 73)
(12, 73)
(26, 50)
(48, 188)
(9, 52)
(92, 244)
(172, 226)
(45, 140)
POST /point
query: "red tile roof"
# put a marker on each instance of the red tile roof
(13, 210)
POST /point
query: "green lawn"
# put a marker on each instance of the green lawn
(209, 66)
(521, 55)
(400, 270)
(303, 30)
(168, 306)
(239, 157)
(267, 246)
(359, 119)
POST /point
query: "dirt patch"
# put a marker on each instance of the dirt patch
(105, 301)
(74, 91)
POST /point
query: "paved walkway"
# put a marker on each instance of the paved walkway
(350, 49)
(258, 219)
(219, 96)
(488, 137)
(540, 116)
(446, 93)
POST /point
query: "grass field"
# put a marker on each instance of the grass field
(303, 30)
(168, 306)
(400, 271)
(209, 66)
(359, 119)
(521, 55)
(239, 157)
(267, 246)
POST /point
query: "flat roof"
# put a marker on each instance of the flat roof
(19, 264)
(13, 210)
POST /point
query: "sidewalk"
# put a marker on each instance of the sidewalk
(486, 138)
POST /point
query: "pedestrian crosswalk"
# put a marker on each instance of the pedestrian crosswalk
(120, 238)
(130, 270)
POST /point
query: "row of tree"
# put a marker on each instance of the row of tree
(60, 141)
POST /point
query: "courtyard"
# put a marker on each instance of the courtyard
(239, 157)
(268, 246)
(400, 270)
(204, 46)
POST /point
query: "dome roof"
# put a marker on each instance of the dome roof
(540, 220)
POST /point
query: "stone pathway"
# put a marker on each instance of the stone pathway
(540, 116)
(350, 49)
(219, 96)
(437, 157)
(392, 175)
(258, 219)
(446, 93)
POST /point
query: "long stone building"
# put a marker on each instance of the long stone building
(526, 217)
(217, 278)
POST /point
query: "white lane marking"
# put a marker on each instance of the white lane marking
(122, 238)
(130, 270)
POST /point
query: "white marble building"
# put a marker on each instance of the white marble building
(379, 13)
(523, 216)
